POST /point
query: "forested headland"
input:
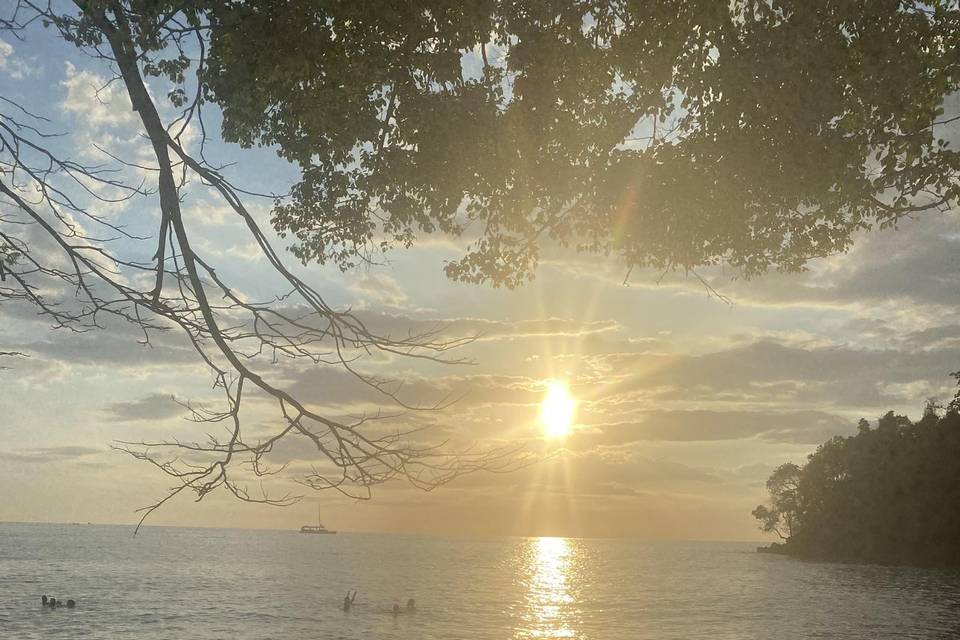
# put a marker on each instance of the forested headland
(889, 494)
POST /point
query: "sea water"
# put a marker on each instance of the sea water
(202, 584)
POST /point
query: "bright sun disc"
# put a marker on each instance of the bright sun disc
(556, 410)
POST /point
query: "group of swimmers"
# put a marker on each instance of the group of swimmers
(349, 599)
(411, 605)
(53, 603)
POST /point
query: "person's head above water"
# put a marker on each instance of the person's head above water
(71, 604)
(396, 608)
(53, 602)
(411, 603)
(43, 599)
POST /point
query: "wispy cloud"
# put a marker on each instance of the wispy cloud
(13, 66)
(49, 454)
(156, 406)
(380, 289)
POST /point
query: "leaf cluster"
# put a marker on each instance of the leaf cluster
(675, 134)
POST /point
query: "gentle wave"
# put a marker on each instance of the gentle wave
(215, 584)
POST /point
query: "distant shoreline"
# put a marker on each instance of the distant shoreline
(785, 549)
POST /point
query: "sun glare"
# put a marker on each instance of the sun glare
(556, 410)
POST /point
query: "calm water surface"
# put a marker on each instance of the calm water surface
(205, 584)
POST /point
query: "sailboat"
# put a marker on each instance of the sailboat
(309, 528)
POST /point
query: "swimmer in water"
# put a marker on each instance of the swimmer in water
(53, 603)
(411, 604)
(71, 604)
(348, 600)
(396, 609)
(43, 600)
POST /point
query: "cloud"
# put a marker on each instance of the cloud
(336, 387)
(208, 213)
(48, 454)
(156, 406)
(11, 66)
(539, 328)
(379, 288)
(917, 262)
(838, 375)
(101, 122)
(484, 328)
(797, 427)
(110, 348)
(942, 337)
(96, 102)
(246, 251)
(627, 467)
(606, 471)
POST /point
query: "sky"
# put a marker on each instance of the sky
(685, 400)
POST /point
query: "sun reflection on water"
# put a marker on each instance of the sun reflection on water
(550, 603)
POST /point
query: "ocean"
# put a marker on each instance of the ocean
(206, 584)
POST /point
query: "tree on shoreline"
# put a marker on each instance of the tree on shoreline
(889, 494)
(676, 135)
(783, 514)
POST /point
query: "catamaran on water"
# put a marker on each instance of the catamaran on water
(309, 528)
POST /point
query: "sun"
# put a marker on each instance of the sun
(556, 410)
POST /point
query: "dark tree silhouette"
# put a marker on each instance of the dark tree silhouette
(677, 134)
(889, 494)
(783, 514)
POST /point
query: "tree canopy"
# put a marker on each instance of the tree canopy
(676, 134)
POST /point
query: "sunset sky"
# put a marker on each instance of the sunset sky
(685, 400)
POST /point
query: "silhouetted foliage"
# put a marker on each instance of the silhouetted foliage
(888, 495)
(955, 403)
(783, 486)
(758, 134)
(677, 134)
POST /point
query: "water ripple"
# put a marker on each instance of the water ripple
(215, 584)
